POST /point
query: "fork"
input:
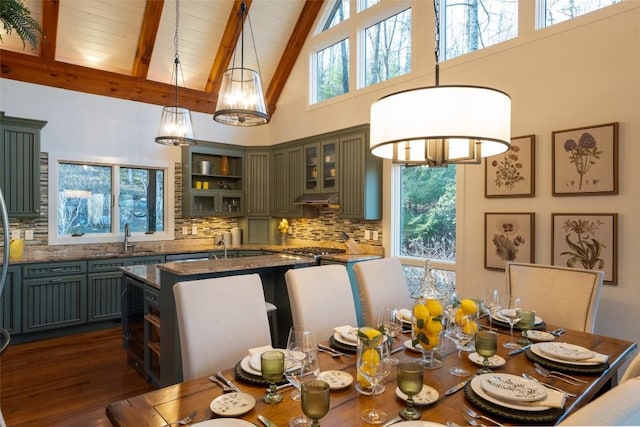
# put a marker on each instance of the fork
(184, 421)
(529, 377)
(473, 414)
(559, 375)
(472, 421)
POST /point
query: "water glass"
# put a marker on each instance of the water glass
(486, 346)
(372, 365)
(527, 321)
(315, 400)
(513, 316)
(461, 331)
(492, 303)
(272, 367)
(390, 320)
(410, 380)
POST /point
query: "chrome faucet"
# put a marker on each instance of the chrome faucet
(127, 234)
(224, 244)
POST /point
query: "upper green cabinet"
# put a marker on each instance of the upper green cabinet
(321, 166)
(257, 182)
(212, 180)
(287, 181)
(20, 165)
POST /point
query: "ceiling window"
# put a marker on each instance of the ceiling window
(332, 71)
(555, 11)
(475, 24)
(387, 52)
(339, 13)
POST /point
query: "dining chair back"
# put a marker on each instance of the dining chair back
(219, 319)
(321, 298)
(561, 296)
(381, 283)
(633, 370)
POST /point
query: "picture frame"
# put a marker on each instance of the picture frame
(512, 173)
(585, 160)
(509, 236)
(586, 240)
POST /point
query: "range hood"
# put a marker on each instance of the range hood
(318, 199)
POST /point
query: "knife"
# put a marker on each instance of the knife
(266, 421)
(334, 351)
(519, 350)
(227, 382)
(458, 386)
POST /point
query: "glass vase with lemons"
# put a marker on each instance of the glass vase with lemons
(373, 364)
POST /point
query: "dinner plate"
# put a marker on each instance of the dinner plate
(232, 404)
(566, 351)
(224, 422)
(495, 361)
(246, 366)
(534, 335)
(535, 349)
(336, 379)
(477, 388)
(338, 337)
(502, 318)
(512, 388)
(418, 423)
(427, 395)
(254, 361)
(410, 346)
(404, 315)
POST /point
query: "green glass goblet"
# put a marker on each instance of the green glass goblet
(527, 321)
(410, 377)
(315, 399)
(486, 346)
(272, 367)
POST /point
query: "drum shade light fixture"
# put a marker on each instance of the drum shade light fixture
(176, 127)
(440, 125)
(241, 99)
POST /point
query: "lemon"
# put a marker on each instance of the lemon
(430, 342)
(468, 306)
(434, 327)
(363, 381)
(420, 311)
(369, 362)
(470, 327)
(370, 332)
(459, 316)
(434, 307)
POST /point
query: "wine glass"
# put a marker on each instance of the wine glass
(513, 316)
(410, 377)
(461, 332)
(486, 346)
(315, 400)
(301, 365)
(272, 368)
(527, 321)
(390, 320)
(492, 303)
(373, 365)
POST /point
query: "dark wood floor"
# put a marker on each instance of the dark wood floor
(66, 381)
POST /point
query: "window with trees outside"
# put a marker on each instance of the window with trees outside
(387, 52)
(92, 202)
(556, 11)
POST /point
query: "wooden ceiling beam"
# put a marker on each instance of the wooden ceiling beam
(47, 72)
(50, 12)
(147, 37)
(291, 52)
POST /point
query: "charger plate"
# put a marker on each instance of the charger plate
(245, 376)
(565, 367)
(333, 343)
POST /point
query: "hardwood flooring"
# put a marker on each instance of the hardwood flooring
(66, 381)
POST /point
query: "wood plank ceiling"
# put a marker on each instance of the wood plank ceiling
(125, 48)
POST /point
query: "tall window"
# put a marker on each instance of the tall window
(388, 48)
(332, 71)
(555, 11)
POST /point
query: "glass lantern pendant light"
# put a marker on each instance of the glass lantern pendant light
(241, 100)
(439, 125)
(176, 127)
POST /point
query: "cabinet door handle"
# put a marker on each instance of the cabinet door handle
(58, 280)
(56, 269)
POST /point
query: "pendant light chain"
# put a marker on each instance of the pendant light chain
(175, 48)
(253, 43)
(436, 8)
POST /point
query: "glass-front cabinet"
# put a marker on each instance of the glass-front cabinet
(321, 163)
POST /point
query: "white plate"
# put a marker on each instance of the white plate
(246, 366)
(341, 340)
(232, 404)
(477, 388)
(566, 351)
(255, 363)
(337, 379)
(418, 423)
(502, 318)
(512, 388)
(404, 315)
(535, 348)
(410, 346)
(224, 422)
(494, 361)
(427, 395)
(534, 335)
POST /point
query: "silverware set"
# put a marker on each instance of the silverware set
(559, 375)
(566, 393)
(184, 421)
(333, 352)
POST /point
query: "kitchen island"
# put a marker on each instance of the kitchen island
(149, 318)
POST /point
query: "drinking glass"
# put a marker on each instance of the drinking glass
(315, 400)
(486, 346)
(493, 303)
(389, 318)
(527, 321)
(272, 367)
(301, 365)
(513, 316)
(373, 365)
(410, 377)
(461, 331)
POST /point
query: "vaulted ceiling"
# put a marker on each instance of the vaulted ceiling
(125, 48)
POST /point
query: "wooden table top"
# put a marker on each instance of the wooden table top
(174, 402)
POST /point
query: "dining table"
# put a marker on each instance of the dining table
(169, 404)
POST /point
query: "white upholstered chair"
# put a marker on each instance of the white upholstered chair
(219, 319)
(321, 298)
(381, 283)
(633, 370)
(565, 297)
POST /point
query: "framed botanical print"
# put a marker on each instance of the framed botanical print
(512, 173)
(586, 240)
(508, 237)
(585, 161)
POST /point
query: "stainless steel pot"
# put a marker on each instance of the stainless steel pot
(205, 167)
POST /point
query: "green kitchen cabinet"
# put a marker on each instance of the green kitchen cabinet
(257, 193)
(20, 165)
(287, 181)
(10, 301)
(360, 174)
(320, 166)
(212, 180)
